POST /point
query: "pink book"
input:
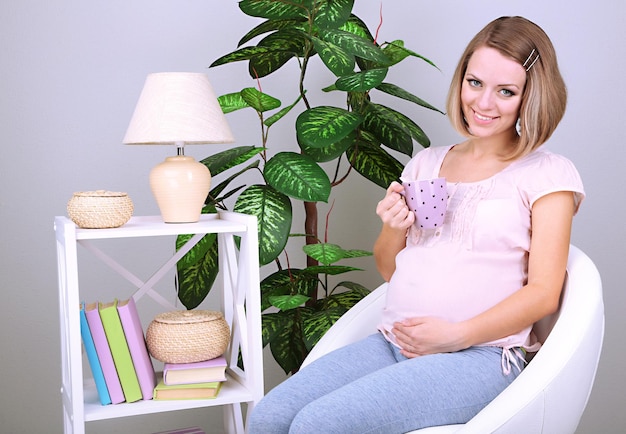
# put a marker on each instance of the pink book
(137, 346)
(104, 353)
(198, 372)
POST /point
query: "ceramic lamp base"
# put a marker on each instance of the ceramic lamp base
(180, 186)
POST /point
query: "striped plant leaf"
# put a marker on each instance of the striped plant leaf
(333, 14)
(258, 100)
(245, 53)
(273, 212)
(375, 164)
(357, 27)
(317, 323)
(343, 300)
(231, 102)
(195, 281)
(276, 9)
(322, 126)
(336, 59)
(297, 176)
(416, 132)
(354, 45)
(361, 81)
(283, 332)
(288, 302)
(271, 26)
(329, 152)
(229, 158)
(388, 128)
(398, 52)
(397, 91)
(330, 269)
(324, 253)
(287, 282)
(198, 251)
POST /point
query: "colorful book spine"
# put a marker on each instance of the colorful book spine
(119, 350)
(136, 341)
(92, 356)
(105, 357)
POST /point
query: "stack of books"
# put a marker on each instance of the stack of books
(199, 380)
(121, 364)
(116, 349)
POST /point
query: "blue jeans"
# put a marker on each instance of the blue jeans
(369, 387)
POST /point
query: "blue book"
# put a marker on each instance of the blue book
(92, 356)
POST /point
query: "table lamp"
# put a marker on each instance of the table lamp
(178, 108)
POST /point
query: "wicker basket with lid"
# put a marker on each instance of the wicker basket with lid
(187, 336)
(100, 209)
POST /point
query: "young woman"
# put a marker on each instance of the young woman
(462, 298)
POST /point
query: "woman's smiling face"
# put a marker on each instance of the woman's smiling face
(491, 93)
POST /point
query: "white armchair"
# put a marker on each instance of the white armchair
(550, 395)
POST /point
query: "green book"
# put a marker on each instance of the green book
(119, 350)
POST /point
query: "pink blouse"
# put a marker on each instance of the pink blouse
(480, 254)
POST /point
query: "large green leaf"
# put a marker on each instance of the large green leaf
(345, 300)
(284, 45)
(198, 251)
(222, 161)
(361, 81)
(397, 52)
(354, 45)
(231, 102)
(258, 100)
(195, 281)
(245, 53)
(273, 212)
(397, 91)
(375, 164)
(298, 176)
(416, 132)
(324, 253)
(287, 302)
(388, 128)
(329, 152)
(322, 126)
(315, 325)
(336, 59)
(333, 14)
(283, 332)
(270, 26)
(330, 269)
(356, 26)
(287, 282)
(276, 9)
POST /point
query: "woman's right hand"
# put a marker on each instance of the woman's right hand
(392, 209)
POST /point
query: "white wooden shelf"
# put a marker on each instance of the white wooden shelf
(239, 281)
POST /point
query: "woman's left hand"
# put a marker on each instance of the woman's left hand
(428, 335)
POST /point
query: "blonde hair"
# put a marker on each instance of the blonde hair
(545, 94)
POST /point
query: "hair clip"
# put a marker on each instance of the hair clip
(528, 60)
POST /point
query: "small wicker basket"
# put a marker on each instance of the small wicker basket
(187, 336)
(99, 209)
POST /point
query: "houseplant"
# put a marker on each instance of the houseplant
(331, 139)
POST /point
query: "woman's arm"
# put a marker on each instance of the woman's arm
(551, 227)
(396, 218)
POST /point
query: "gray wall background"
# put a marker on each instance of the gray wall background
(71, 73)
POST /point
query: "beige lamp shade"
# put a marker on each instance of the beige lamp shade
(178, 108)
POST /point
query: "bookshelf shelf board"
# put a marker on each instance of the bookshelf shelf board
(231, 392)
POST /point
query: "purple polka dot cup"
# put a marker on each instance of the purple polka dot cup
(428, 199)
